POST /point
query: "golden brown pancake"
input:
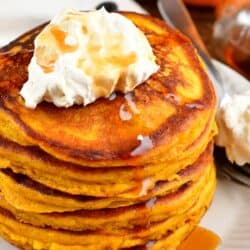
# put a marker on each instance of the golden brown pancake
(156, 209)
(123, 182)
(25, 235)
(28, 195)
(175, 105)
(81, 178)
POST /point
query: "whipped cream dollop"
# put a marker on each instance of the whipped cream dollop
(81, 56)
(233, 120)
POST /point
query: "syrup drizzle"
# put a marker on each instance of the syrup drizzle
(150, 244)
(60, 37)
(200, 239)
(124, 114)
(150, 203)
(131, 103)
(127, 111)
(145, 145)
(194, 105)
(112, 96)
(146, 183)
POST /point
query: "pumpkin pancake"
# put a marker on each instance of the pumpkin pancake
(86, 178)
(31, 237)
(28, 195)
(156, 209)
(74, 179)
(173, 108)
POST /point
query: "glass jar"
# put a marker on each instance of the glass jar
(232, 34)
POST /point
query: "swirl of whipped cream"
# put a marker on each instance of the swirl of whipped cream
(82, 56)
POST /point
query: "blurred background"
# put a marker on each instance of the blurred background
(224, 26)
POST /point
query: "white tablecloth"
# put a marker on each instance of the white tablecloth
(18, 16)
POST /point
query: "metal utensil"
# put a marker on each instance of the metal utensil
(176, 14)
(108, 5)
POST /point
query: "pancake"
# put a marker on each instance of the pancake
(86, 178)
(74, 179)
(28, 195)
(174, 107)
(156, 209)
(30, 237)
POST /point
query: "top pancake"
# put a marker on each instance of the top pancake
(170, 110)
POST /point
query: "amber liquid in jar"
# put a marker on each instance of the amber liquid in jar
(238, 60)
(238, 57)
(232, 35)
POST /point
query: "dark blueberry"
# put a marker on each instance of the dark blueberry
(109, 6)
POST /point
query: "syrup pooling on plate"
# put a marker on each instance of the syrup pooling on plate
(201, 239)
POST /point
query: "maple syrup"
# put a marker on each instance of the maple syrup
(146, 144)
(232, 34)
(238, 59)
(200, 239)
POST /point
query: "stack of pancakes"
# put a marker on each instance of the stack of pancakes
(134, 171)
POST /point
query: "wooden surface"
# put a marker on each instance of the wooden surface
(203, 17)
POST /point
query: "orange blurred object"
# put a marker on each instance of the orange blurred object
(203, 2)
(201, 239)
(221, 4)
(232, 34)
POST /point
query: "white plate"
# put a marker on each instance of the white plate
(229, 215)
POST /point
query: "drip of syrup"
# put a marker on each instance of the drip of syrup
(150, 244)
(150, 204)
(131, 103)
(146, 184)
(201, 239)
(112, 96)
(194, 105)
(124, 114)
(145, 145)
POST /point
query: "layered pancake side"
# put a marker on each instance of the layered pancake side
(99, 182)
(88, 178)
(22, 233)
(28, 195)
(157, 208)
